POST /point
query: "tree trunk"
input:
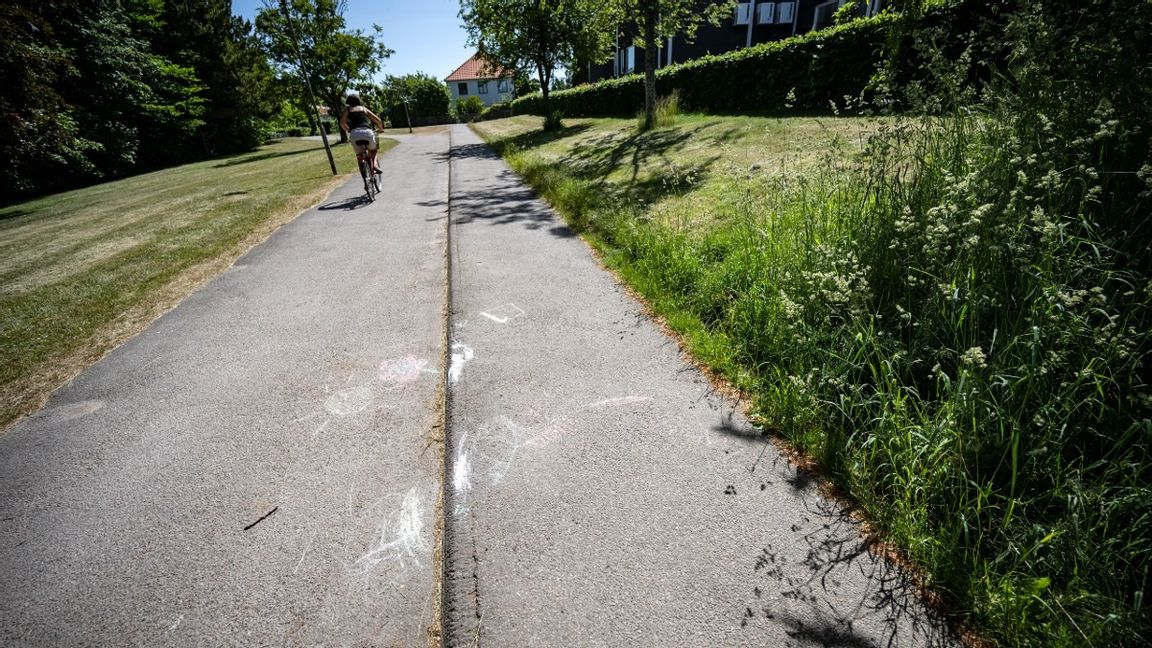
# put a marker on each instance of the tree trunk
(651, 17)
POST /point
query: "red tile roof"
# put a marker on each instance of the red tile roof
(476, 68)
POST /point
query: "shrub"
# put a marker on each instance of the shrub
(554, 121)
(497, 111)
(469, 107)
(818, 67)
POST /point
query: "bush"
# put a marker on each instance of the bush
(469, 108)
(497, 111)
(818, 67)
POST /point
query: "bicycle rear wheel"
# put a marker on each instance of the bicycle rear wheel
(366, 176)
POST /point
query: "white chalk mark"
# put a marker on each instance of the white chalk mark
(462, 475)
(505, 313)
(460, 355)
(177, 624)
(402, 370)
(401, 536)
(322, 427)
(462, 469)
(348, 402)
(615, 402)
(307, 548)
(306, 417)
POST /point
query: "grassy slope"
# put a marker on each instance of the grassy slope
(812, 276)
(694, 178)
(82, 270)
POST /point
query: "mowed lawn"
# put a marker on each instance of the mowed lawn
(694, 173)
(83, 270)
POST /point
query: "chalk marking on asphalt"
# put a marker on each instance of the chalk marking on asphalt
(177, 624)
(461, 354)
(614, 402)
(322, 427)
(307, 548)
(401, 536)
(461, 475)
(350, 401)
(505, 313)
(402, 370)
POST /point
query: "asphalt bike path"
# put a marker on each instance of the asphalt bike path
(264, 466)
(259, 468)
(599, 492)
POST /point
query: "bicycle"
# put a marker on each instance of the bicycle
(367, 172)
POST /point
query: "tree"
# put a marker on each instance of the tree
(427, 98)
(541, 35)
(226, 56)
(334, 58)
(657, 20)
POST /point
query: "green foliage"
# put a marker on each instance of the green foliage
(958, 325)
(469, 107)
(667, 110)
(496, 111)
(314, 32)
(554, 122)
(533, 35)
(805, 72)
(428, 99)
(102, 89)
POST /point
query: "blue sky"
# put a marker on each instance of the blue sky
(426, 34)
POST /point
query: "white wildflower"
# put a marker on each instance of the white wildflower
(974, 357)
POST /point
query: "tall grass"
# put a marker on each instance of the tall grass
(958, 328)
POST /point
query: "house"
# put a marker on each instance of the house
(758, 21)
(477, 77)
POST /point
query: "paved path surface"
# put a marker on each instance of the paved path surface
(256, 469)
(601, 494)
(303, 380)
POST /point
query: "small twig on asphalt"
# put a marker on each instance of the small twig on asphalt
(262, 517)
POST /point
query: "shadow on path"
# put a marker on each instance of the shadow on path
(347, 204)
(808, 593)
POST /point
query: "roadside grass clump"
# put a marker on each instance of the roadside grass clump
(667, 110)
(955, 324)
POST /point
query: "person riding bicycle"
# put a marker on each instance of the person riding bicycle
(357, 121)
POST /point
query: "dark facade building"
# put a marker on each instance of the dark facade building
(751, 23)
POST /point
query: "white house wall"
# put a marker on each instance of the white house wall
(488, 98)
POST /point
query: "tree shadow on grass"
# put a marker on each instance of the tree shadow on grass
(258, 157)
(649, 159)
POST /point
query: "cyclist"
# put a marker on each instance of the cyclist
(357, 121)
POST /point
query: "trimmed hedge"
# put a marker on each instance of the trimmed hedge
(819, 67)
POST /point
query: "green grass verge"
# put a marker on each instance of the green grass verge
(81, 270)
(936, 311)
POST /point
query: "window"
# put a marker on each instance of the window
(824, 13)
(785, 12)
(743, 13)
(502, 86)
(630, 59)
(482, 87)
(461, 89)
(766, 13)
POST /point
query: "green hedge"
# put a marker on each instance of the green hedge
(819, 67)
